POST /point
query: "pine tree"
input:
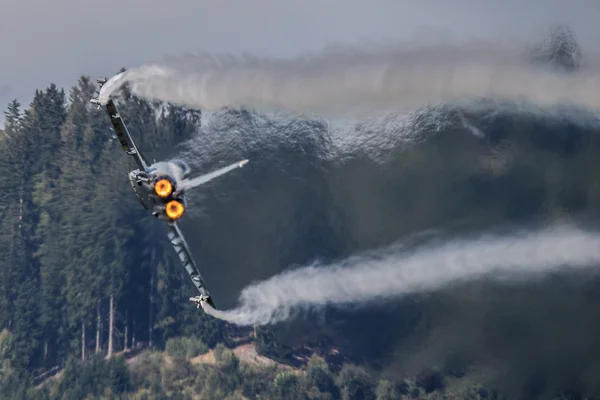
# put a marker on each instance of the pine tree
(22, 272)
(10, 161)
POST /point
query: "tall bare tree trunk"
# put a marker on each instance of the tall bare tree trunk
(126, 325)
(150, 308)
(83, 340)
(111, 322)
(133, 334)
(98, 327)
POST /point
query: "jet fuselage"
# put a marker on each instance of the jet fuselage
(159, 189)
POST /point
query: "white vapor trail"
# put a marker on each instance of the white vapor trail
(337, 81)
(397, 273)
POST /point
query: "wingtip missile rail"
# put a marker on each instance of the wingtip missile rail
(200, 300)
(96, 101)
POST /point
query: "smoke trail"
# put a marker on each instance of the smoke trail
(397, 273)
(354, 80)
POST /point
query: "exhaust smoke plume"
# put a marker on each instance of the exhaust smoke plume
(394, 272)
(356, 80)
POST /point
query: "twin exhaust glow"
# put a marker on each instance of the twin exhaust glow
(163, 189)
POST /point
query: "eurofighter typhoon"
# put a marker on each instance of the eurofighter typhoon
(161, 187)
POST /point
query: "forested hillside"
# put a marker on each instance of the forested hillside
(83, 270)
(87, 275)
(79, 274)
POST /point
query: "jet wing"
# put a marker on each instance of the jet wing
(123, 135)
(121, 131)
(181, 248)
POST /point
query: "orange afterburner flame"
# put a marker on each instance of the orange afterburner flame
(163, 188)
(174, 209)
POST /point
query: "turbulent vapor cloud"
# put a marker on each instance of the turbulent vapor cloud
(353, 79)
(393, 273)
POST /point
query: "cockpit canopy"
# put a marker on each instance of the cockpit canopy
(176, 169)
(184, 167)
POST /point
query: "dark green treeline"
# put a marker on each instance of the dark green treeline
(83, 268)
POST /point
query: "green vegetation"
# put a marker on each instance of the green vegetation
(152, 376)
(185, 347)
(71, 286)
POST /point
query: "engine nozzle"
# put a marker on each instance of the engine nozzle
(174, 209)
(163, 188)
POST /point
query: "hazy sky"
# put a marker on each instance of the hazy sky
(58, 41)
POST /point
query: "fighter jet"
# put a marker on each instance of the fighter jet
(161, 187)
